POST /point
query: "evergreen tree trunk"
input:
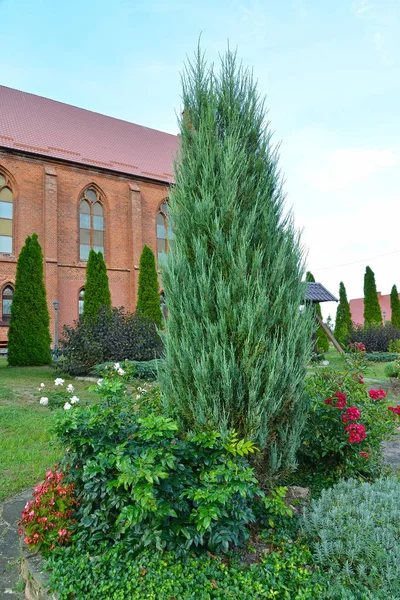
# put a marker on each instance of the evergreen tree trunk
(29, 335)
(237, 344)
(343, 323)
(97, 292)
(372, 309)
(321, 339)
(148, 295)
(395, 307)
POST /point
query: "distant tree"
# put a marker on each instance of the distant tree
(395, 307)
(97, 291)
(329, 323)
(29, 335)
(372, 309)
(343, 323)
(321, 339)
(149, 304)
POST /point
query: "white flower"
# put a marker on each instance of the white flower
(325, 363)
(99, 381)
(44, 401)
(121, 371)
(42, 385)
(137, 397)
(74, 400)
(70, 388)
(67, 406)
(58, 381)
(116, 366)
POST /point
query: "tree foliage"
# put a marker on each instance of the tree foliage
(372, 309)
(148, 294)
(321, 339)
(343, 323)
(395, 307)
(29, 335)
(97, 291)
(236, 344)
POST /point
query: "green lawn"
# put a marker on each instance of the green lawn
(374, 371)
(26, 447)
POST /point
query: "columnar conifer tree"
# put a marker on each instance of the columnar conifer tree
(148, 295)
(372, 309)
(395, 307)
(343, 323)
(29, 335)
(322, 342)
(237, 343)
(97, 291)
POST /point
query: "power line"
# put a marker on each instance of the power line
(356, 262)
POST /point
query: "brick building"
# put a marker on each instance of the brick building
(357, 309)
(79, 180)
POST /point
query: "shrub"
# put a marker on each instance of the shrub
(375, 338)
(139, 480)
(280, 575)
(58, 397)
(356, 539)
(29, 335)
(393, 370)
(346, 424)
(134, 369)
(372, 309)
(394, 346)
(148, 293)
(115, 336)
(343, 324)
(47, 520)
(395, 307)
(237, 344)
(97, 298)
(381, 356)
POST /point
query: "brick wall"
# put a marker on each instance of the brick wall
(46, 202)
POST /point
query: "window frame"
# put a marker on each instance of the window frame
(9, 184)
(167, 239)
(85, 197)
(3, 297)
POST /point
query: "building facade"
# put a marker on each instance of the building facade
(357, 309)
(79, 180)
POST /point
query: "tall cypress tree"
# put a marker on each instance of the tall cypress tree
(372, 309)
(237, 344)
(97, 291)
(148, 296)
(343, 323)
(395, 307)
(322, 341)
(29, 335)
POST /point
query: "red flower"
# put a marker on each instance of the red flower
(351, 414)
(361, 380)
(340, 402)
(395, 409)
(364, 455)
(377, 394)
(356, 433)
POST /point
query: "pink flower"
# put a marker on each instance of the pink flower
(352, 414)
(356, 433)
(62, 532)
(364, 455)
(395, 409)
(340, 400)
(377, 394)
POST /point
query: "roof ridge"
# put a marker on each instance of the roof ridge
(94, 112)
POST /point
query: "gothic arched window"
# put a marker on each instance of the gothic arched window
(80, 302)
(6, 215)
(6, 301)
(165, 235)
(91, 224)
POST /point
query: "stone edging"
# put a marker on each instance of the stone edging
(35, 578)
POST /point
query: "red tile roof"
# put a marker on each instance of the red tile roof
(50, 128)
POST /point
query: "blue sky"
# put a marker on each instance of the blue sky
(330, 70)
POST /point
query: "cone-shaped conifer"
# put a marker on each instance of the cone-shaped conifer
(321, 339)
(343, 323)
(395, 307)
(29, 335)
(372, 309)
(237, 342)
(148, 295)
(97, 291)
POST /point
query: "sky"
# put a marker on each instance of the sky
(328, 68)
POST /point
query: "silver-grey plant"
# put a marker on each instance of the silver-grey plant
(237, 343)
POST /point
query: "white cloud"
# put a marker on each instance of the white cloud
(362, 6)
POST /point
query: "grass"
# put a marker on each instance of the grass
(26, 446)
(374, 371)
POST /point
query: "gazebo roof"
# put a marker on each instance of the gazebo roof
(316, 292)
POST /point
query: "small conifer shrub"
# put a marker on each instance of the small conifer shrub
(29, 335)
(148, 294)
(372, 309)
(395, 307)
(97, 291)
(343, 324)
(321, 339)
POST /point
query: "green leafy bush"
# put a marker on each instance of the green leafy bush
(347, 424)
(394, 346)
(134, 369)
(393, 370)
(116, 335)
(354, 528)
(140, 480)
(381, 356)
(282, 574)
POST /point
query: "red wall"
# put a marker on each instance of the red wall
(357, 308)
